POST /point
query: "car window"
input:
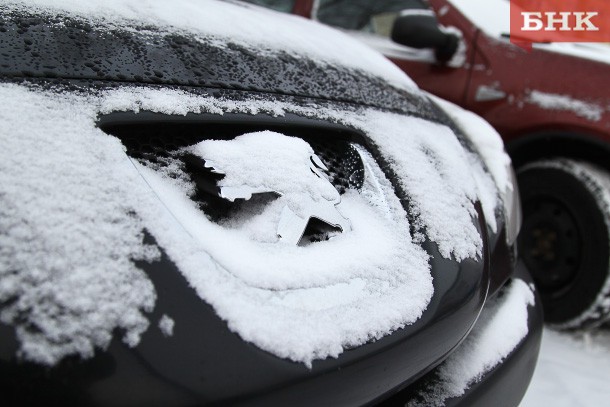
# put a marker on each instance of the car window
(491, 16)
(279, 5)
(364, 15)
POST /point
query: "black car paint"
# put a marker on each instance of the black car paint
(73, 49)
(505, 384)
(204, 362)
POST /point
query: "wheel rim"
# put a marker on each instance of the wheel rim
(551, 245)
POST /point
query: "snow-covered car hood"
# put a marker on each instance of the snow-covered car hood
(377, 281)
(79, 217)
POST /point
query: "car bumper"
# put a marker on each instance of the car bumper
(504, 384)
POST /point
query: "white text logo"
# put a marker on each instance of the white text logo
(562, 21)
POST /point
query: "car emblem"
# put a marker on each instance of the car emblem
(268, 162)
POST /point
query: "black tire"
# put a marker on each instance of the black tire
(564, 240)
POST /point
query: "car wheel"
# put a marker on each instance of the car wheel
(564, 239)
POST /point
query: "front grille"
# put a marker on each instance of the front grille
(345, 168)
(160, 145)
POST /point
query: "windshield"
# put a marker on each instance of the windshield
(491, 16)
(284, 6)
(364, 15)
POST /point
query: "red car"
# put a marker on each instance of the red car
(551, 106)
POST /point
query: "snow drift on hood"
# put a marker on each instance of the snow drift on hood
(73, 210)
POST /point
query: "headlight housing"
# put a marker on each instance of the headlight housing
(490, 147)
(512, 208)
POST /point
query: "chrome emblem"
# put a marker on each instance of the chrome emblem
(269, 162)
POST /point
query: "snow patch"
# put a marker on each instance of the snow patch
(572, 370)
(267, 162)
(166, 325)
(551, 101)
(488, 192)
(406, 141)
(435, 172)
(69, 234)
(459, 58)
(486, 139)
(303, 303)
(497, 174)
(74, 209)
(499, 329)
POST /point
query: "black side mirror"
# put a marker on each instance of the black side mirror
(421, 30)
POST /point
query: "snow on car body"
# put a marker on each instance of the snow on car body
(119, 246)
(460, 50)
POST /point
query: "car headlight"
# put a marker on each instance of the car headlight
(489, 145)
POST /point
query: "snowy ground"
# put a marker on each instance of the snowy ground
(573, 370)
